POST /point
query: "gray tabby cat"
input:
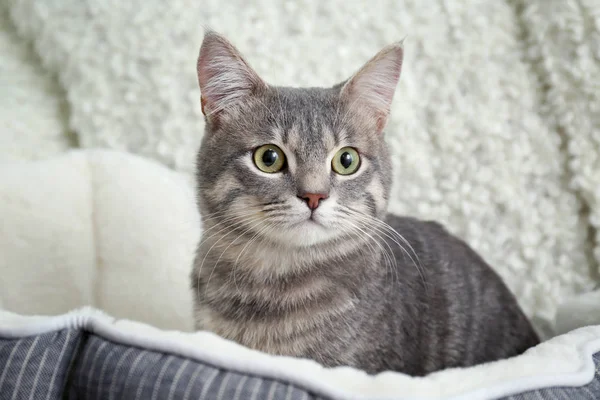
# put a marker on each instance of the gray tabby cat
(298, 255)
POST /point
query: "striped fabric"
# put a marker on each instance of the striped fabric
(76, 365)
(81, 365)
(108, 371)
(36, 368)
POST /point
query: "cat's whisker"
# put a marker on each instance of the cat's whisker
(226, 248)
(386, 227)
(417, 264)
(389, 260)
(227, 211)
(227, 215)
(393, 262)
(274, 214)
(238, 220)
(364, 232)
(358, 233)
(208, 226)
(390, 232)
(257, 235)
(264, 207)
(213, 245)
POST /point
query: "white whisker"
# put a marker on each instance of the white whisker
(389, 259)
(257, 235)
(226, 248)
(209, 250)
(391, 233)
(238, 220)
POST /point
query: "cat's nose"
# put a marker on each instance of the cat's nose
(313, 199)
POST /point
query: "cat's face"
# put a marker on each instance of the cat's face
(296, 166)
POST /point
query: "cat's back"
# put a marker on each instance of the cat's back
(442, 263)
(468, 315)
(431, 246)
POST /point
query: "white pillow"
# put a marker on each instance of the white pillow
(98, 228)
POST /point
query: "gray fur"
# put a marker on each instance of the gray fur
(401, 295)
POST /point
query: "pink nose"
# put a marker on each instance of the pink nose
(312, 199)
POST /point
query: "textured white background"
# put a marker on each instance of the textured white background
(495, 128)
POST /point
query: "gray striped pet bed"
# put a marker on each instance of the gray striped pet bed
(87, 355)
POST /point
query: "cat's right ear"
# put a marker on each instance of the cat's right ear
(225, 78)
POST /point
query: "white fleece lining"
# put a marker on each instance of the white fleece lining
(562, 361)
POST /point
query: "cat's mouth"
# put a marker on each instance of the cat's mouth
(310, 221)
(304, 230)
(316, 218)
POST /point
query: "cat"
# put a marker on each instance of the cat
(299, 257)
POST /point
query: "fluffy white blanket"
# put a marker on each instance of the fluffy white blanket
(494, 129)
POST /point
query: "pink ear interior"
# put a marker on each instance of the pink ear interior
(223, 74)
(372, 88)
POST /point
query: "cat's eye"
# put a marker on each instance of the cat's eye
(346, 161)
(269, 158)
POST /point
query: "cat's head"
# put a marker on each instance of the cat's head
(297, 166)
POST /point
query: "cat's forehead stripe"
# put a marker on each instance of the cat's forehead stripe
(277, 134)
(341, 136)
(290, 136)
(316, 137)
(328, 137)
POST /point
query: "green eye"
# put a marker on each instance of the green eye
(346, 161)
(269, 158)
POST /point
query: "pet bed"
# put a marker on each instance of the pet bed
(95, 228)
(88, 355)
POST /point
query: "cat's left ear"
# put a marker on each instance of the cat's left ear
(370, 91)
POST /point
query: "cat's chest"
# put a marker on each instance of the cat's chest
(280, 302)
(293, 330)
(283, 337)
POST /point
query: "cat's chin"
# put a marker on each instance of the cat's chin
(304, 233)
